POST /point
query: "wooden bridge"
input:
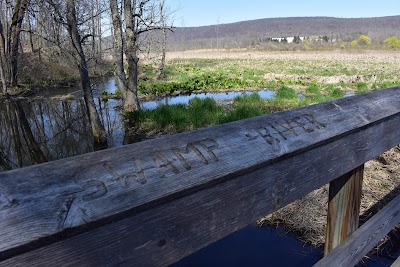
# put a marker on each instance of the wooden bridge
(155, 202)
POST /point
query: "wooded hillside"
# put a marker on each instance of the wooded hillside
(241, 34)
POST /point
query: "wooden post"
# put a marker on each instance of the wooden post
(343, 207)
(352, 250)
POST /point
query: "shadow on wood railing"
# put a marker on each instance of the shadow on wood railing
(155, 202)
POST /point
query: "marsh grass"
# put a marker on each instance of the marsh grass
(313, 90)
(334, 92)
(240, 113)
(285, 92)
(362, 88)
(206, 112)
(203, 112)
(252, 99)
(198, 113)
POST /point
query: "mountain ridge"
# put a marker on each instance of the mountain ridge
(245, 32)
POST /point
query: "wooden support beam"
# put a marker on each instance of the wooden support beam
(343, 207)
(359, 243)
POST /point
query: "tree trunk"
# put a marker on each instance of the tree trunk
(93, 26)
(30, 36)
(163, 49)
(164, 36)
(2, 60)
(98, 130)
(131, 101)
(118, 49)
(3, 78)
(17, 18)
(100, 47)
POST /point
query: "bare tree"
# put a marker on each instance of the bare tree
(76, 41)
(11, 18)
(140, 16)
(65, 14)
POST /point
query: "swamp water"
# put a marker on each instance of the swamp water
(35, 131)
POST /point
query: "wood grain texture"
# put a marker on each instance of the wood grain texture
(343, 207)
(358, 244)
(157, 201)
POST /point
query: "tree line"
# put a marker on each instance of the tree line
(76, 28)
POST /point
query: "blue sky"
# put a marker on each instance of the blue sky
(207, 12)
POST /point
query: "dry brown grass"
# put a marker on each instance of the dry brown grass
(306, 217)
(389, 56)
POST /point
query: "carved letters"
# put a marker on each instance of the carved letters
(193, 153)
(178, 159)
(279, 131)
(96, 189)
(172, 161)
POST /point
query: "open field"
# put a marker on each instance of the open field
(349, 71)
(347, 55)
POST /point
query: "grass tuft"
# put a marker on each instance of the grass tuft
(313, 90)
(362, 88)
(285, 92)
(334, 92)
(240, 113)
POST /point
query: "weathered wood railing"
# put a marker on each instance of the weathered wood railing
(155, 202)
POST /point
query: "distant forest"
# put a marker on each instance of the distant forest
(253, 32)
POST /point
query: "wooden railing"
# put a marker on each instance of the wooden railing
(155, 202)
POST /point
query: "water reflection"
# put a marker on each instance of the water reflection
(32, 132)
(42, 130)
(184, 99)
(36, 131)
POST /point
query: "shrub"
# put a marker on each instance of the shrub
(392, 42)
(364, 40)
